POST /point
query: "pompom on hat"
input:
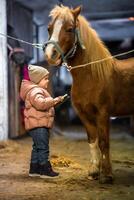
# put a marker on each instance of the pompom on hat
(36, 73)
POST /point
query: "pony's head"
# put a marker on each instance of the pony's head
(69, 34)
(63, 34)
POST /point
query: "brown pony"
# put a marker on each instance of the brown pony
(99, 90)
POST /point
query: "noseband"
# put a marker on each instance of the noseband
(72, 51)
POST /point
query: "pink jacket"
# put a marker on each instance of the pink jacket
(39, 106)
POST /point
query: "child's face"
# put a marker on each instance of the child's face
(44, 82)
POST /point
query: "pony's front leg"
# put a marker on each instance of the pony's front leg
(95, 153)
(106, 169)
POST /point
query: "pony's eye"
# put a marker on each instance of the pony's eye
(70, 30)
(48, 29)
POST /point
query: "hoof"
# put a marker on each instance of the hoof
(93, 176)
(106, 179)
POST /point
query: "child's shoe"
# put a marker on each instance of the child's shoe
(34, 169)
(46, 171)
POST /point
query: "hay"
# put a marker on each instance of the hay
(63, 161)
(8, 146)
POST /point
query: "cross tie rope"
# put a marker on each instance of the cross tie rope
(69, 68)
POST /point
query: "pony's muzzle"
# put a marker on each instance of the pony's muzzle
(51, 55)
(53, 52)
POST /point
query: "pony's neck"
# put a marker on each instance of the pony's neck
(95, 50)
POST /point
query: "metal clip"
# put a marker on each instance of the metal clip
(64, 64)
(39, 46)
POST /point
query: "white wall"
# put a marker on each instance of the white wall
(3, 74)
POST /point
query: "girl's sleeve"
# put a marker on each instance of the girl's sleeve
(38, 100)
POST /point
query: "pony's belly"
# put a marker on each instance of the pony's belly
(123, 111)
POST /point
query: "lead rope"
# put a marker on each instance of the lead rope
(39, 46)
(69, 68)
(64, 64)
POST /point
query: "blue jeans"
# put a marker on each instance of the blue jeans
(40, 150)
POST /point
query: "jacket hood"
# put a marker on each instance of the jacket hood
(26, 86)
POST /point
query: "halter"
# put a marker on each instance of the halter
(72, 51)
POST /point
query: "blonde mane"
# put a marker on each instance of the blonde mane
(95, 49)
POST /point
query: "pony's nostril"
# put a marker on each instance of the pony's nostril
(54, 54)
(46, 57)
(51, 56)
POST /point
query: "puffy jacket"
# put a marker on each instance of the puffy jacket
(39, 106)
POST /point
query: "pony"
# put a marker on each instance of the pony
(99, 89)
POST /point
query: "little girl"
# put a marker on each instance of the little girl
(39, 117)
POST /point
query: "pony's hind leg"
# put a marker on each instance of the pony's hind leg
(106, 169)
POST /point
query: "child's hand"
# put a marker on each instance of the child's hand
(58, 100)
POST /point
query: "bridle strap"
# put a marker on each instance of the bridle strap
(72, 51)
(79, 38)
(59, 50)
(56, 46)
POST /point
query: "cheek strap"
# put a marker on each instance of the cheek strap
(72, 51)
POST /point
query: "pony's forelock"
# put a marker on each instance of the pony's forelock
(63, 11)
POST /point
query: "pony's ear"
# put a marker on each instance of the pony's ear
(76, 11)
(60, 4)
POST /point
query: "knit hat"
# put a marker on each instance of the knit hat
(36, 73)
